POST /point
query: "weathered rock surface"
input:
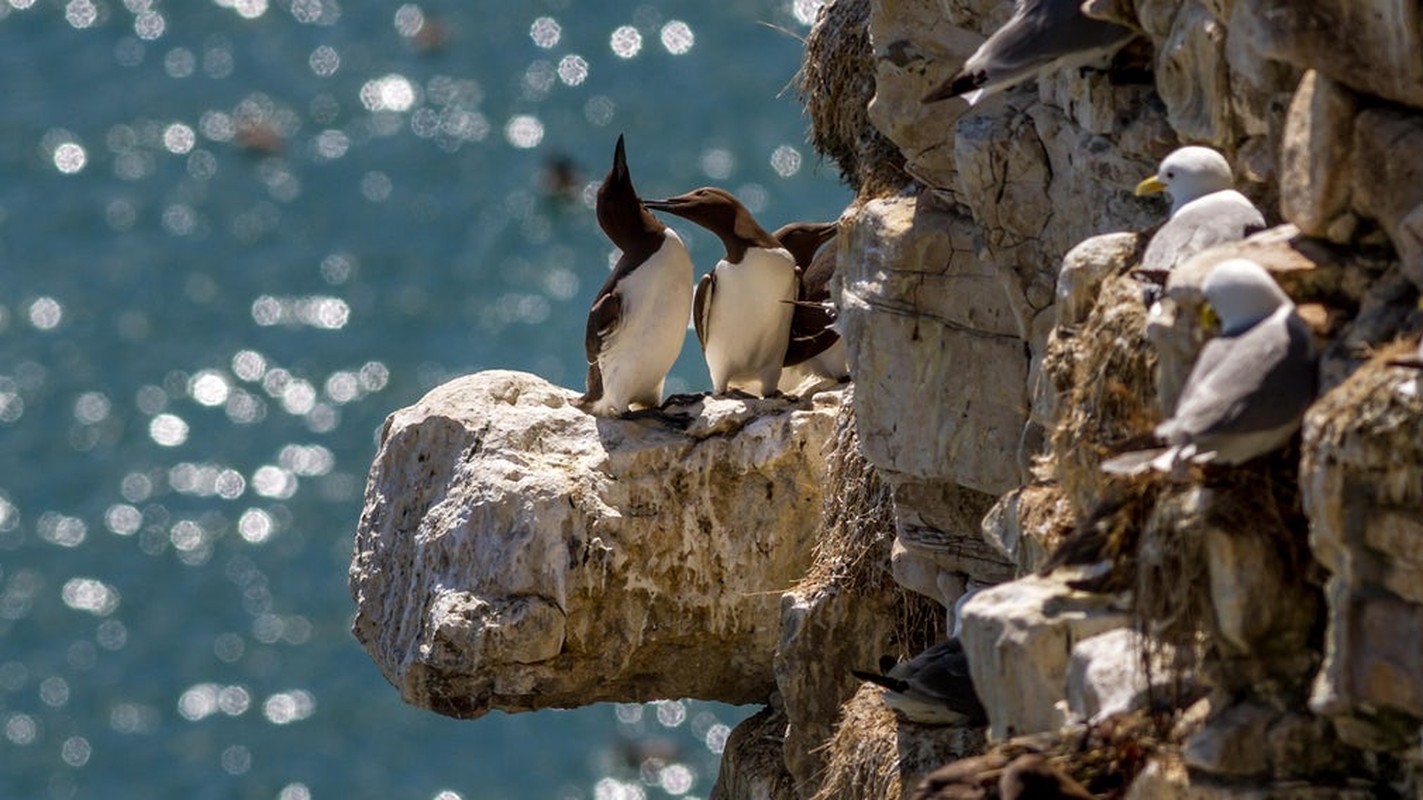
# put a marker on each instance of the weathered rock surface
(517, 553)
(1120, 671)
(847, 612)
(1167, 778)
(1252, 742)
(918, 307)
(1026, 524)
(1019, 638)
(1388, 184)
(751, 769)
(1374, 46)
(914, 46)
(1087, 266)
(1316, 153)
(1362, 478)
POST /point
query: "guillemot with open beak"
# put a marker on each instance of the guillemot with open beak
(639, 320)
(741, 309)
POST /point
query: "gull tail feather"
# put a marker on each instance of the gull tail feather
(1137, 462)
(892, 684)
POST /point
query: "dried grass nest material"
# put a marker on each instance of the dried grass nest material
(1105, 373)
(1104, 758)
(857, 521)
(835, 84)
(852, 553)
(875, 754)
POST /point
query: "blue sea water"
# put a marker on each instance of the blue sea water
(234, 235)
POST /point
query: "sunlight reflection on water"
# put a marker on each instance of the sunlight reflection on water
(235, 236)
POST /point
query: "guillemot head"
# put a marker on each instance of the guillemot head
(720, 212)
(802, 239)
(621, 213)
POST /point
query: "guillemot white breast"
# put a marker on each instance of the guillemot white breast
(639, 319)
(741, 309)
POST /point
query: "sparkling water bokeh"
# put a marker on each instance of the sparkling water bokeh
(234, 236)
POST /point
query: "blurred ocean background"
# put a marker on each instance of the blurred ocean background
(234, 235)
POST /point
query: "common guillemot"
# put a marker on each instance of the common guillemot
(639, 319)
(741, 309)
(815, 348)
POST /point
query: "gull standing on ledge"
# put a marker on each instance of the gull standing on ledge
(639, 320)
(1250, 386)
(1041, 36)
(742, 308)
(1206, 210)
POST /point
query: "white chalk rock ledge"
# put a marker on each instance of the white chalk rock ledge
(515, 553)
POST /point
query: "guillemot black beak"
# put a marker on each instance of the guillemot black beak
(620, 161)
(671, 204)
(824, 232)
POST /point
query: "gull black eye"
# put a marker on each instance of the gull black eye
(1170, 173)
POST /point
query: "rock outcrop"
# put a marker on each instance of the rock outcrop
(1002, 347)
(516, 553)
(1019, 638)
(1362, 476)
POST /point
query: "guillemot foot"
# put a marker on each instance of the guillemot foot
(680, 421)
(684, 399)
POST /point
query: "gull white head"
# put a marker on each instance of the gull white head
(1242, 293)
(1187, 174)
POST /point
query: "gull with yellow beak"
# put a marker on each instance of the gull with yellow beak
(1250, 386)
(1206, 210)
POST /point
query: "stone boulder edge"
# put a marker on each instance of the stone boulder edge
(515, 553)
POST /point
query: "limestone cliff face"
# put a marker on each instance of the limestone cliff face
(516, 554)
(1001, 263)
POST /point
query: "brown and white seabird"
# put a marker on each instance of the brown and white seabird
(815, 348)
(639, 319)
(741, 309)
